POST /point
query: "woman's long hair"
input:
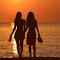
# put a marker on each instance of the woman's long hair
(30, 18)
(18, 16)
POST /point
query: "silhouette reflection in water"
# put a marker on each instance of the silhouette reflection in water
(19, 28)
(31, 25)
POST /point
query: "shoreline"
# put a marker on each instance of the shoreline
(36, 58)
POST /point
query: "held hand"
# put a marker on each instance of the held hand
(10, 38)
(38, 35)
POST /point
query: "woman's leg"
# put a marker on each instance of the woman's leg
(34, 49)
(18, 50)
(21, 47)
(30, 50)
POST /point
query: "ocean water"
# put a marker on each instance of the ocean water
(50, 33)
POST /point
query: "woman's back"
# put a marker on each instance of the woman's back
(20, 24)
(31, 25)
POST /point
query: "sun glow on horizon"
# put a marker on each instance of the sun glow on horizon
(15, 1)
(44, 10)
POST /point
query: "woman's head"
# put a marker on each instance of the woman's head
(18, 15)
(30, 18)
(30, 15)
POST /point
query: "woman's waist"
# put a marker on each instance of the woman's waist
(19, 31)
(31, 31)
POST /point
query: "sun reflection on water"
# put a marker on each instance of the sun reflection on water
(12, 25)
(14, 42)
(14, 47)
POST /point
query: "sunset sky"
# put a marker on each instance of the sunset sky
(44, 10)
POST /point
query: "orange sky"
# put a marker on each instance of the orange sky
(44, 10)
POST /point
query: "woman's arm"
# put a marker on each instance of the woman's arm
(37, 29)
(13, 28)
(12, 32)
(26, 26)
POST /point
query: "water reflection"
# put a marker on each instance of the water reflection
(12, 25)
(14, 48)
(50, 35)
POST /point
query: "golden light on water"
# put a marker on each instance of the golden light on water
(13, 41)
(14, 46)
(12, 24)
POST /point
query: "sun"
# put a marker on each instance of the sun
(15, 1)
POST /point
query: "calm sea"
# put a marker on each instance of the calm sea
(50, 33)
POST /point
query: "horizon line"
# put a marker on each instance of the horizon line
(37, 22)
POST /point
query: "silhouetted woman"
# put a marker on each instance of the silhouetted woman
(31, 24)
(19, 27)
